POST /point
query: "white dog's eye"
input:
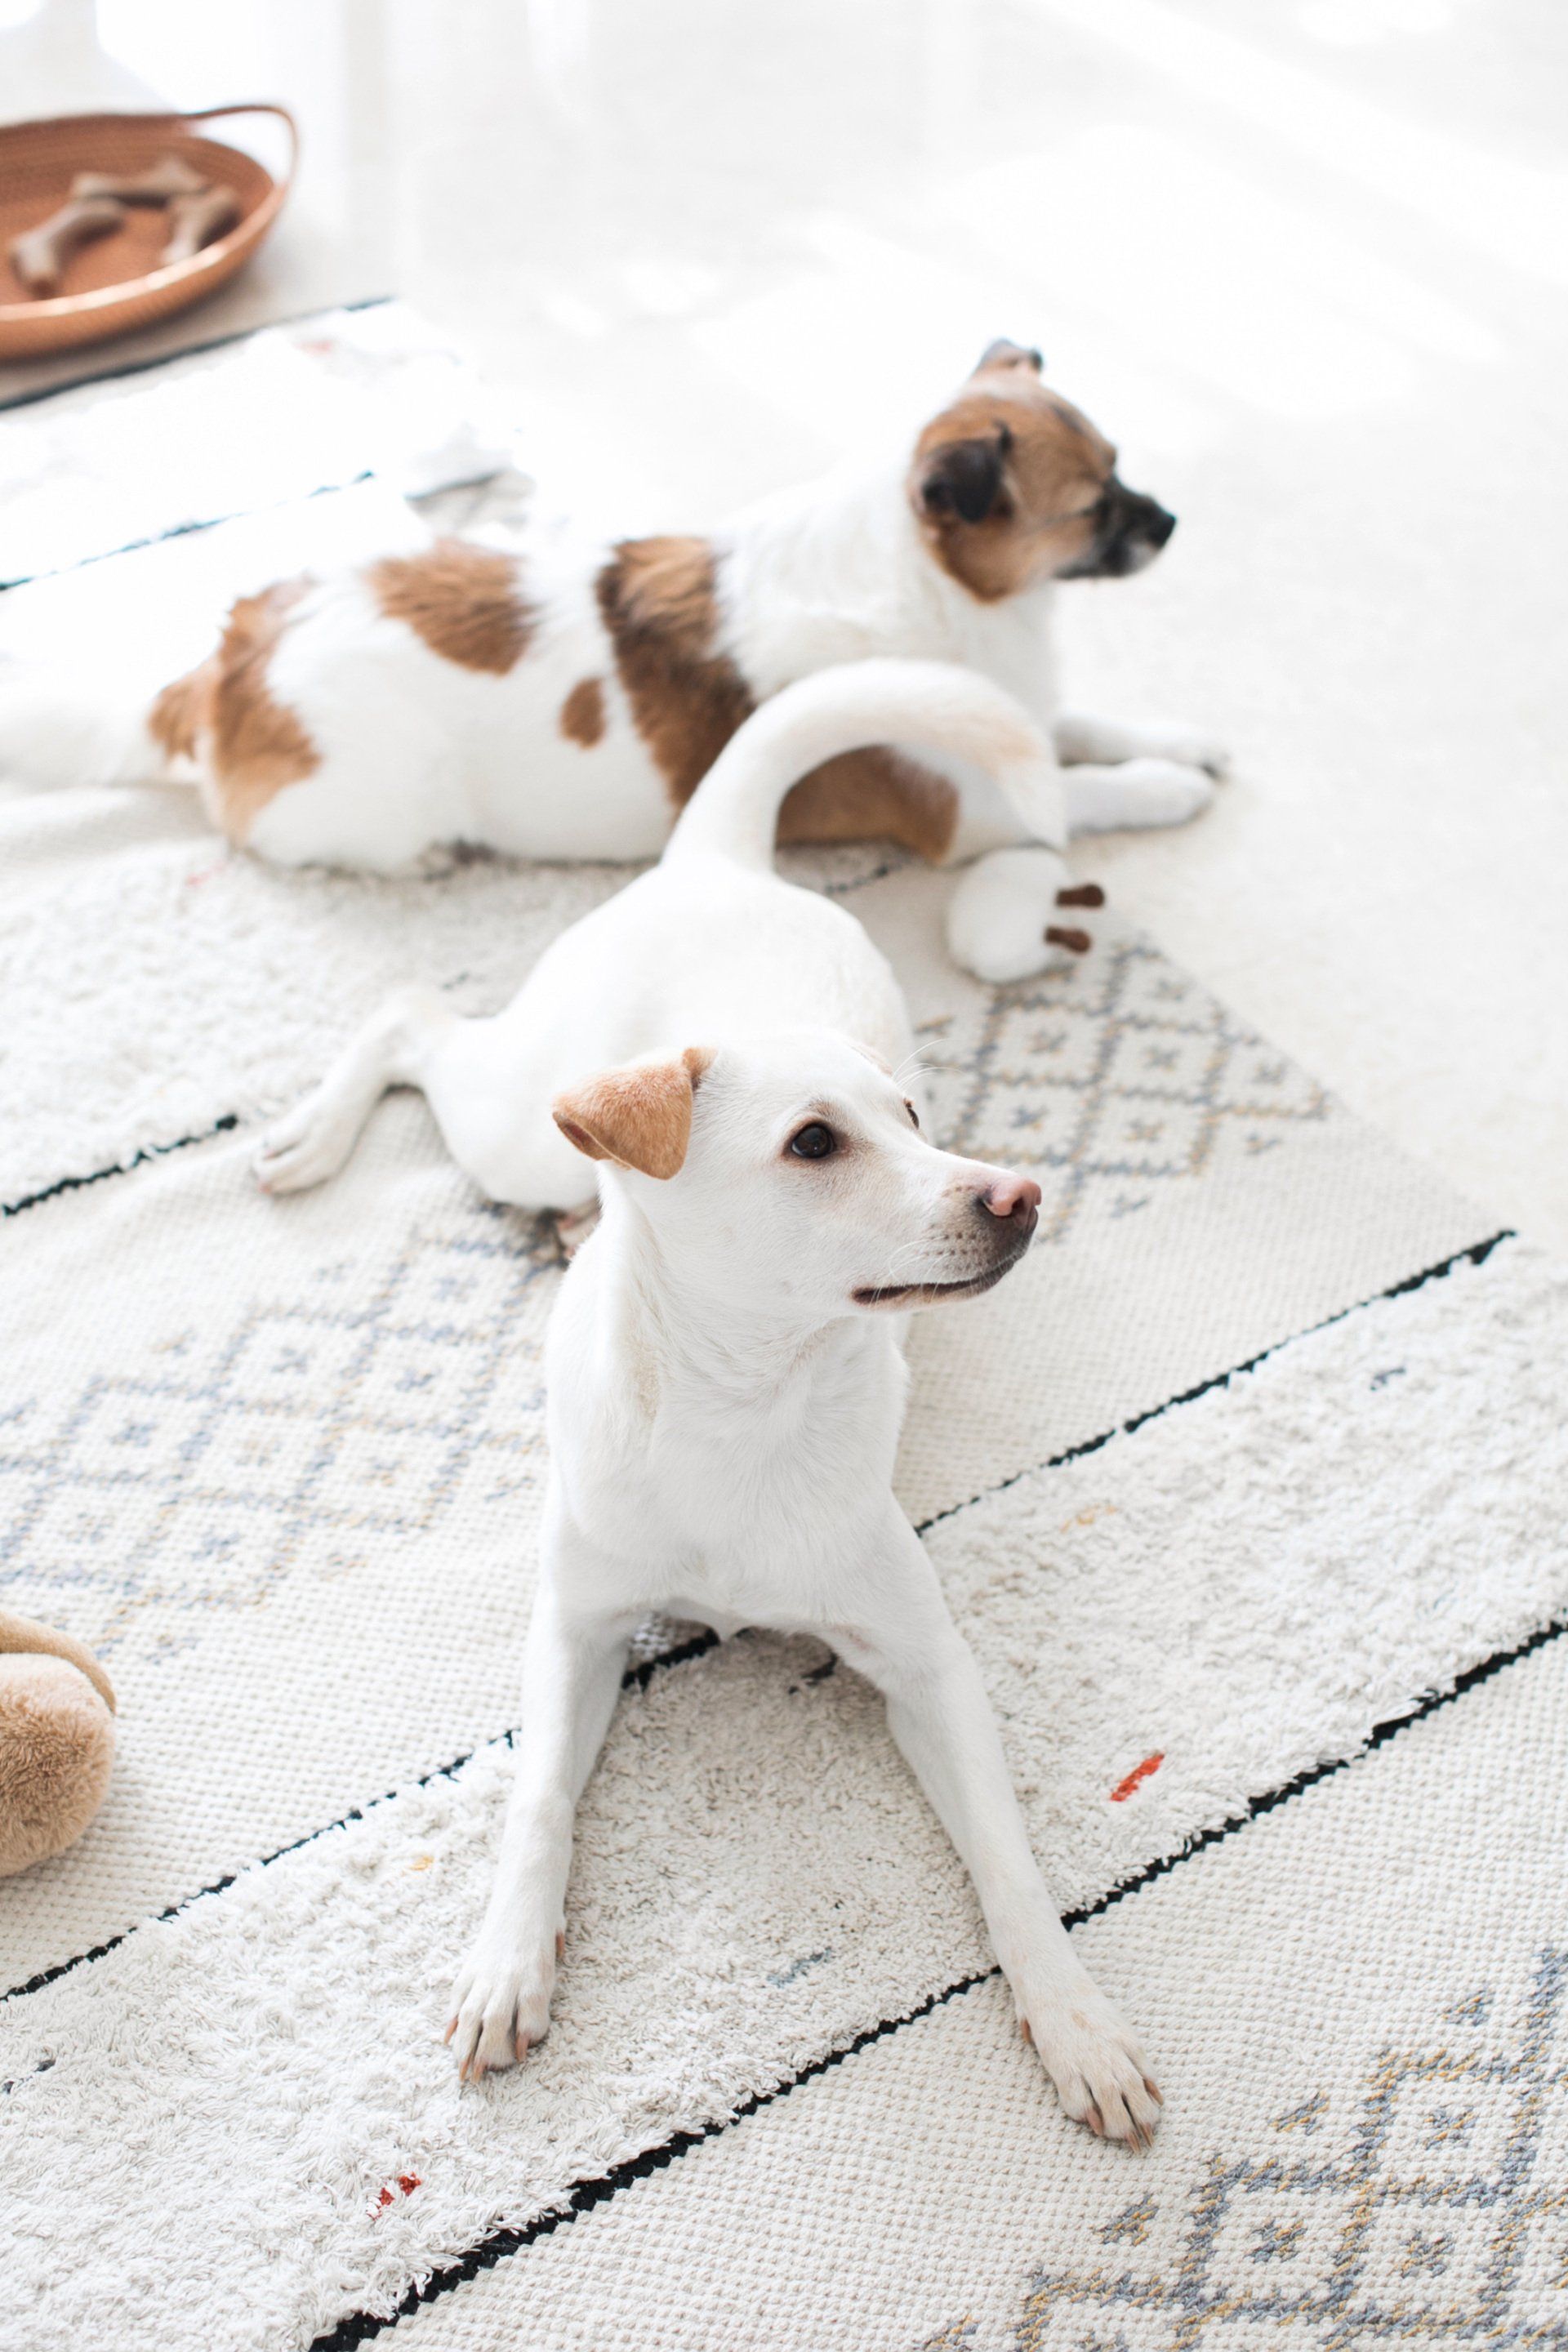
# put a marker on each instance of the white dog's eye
(914, 1114)
(813, 1142)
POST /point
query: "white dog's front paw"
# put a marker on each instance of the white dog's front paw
(1092, 2056)
(1018, 913)
(1167, 791)
(1189, 747)
(501, 2002)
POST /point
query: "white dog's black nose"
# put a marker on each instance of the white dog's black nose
(1016, 1200)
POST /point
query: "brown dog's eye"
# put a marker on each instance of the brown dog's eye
(813, 1142)
(914, 1114)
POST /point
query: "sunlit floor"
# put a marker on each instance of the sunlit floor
(1305, 262)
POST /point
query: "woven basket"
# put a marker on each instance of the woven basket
(115, 284)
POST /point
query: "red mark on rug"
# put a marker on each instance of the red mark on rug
(1136, 1777)
(407, 2182)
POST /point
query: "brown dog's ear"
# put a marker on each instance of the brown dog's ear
(639, 1117)
(965, 477)
(1003, 355)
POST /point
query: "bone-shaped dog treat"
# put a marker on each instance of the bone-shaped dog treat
(195, 220)
(40, 255)
(169, 177)
(1068, 936)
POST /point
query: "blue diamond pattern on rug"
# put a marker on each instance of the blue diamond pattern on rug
(362, 1406)
(1436, 2213)
(1108, 1079)
(357, 1411)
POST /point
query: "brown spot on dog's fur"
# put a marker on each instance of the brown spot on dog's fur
(464, 602)
(181, 713)
(658, 600)
(583, 713)
(639, 1117)
(253, 746)
(874, 795)
(1004, 481)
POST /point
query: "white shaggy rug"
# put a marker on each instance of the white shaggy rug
(1263, 1447)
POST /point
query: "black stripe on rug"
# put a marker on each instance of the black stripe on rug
(639, 1677)
(1476, 1253)
(224, 1126)
(192, 530)
(635, 1677)
(360, 2326)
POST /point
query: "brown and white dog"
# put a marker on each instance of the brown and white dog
(563, 700)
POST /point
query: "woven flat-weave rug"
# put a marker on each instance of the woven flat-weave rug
(1259, 1454)
(1359, 2003)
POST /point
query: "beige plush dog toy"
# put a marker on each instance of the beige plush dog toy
(56, 1741)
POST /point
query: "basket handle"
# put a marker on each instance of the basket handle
(258, 106)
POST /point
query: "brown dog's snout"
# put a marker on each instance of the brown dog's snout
(1016, 1200)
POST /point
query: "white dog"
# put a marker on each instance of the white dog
(563, 701)
(725, 1375)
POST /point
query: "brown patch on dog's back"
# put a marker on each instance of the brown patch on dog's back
(1005, 480)
(874, 795)
(254, 745)
(660, 602)
(583, 713)
(465, 602)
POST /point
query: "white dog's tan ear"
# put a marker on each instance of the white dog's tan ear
(639, 1117)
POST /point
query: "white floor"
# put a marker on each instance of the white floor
(1307, 263)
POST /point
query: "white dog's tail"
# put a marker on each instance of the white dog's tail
(921, 705)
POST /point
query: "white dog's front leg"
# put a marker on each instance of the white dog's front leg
(571, 1675)
(1135, 795)
(939, 1715)
(1080, 739)
(1018, 912)
(1123, 774)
